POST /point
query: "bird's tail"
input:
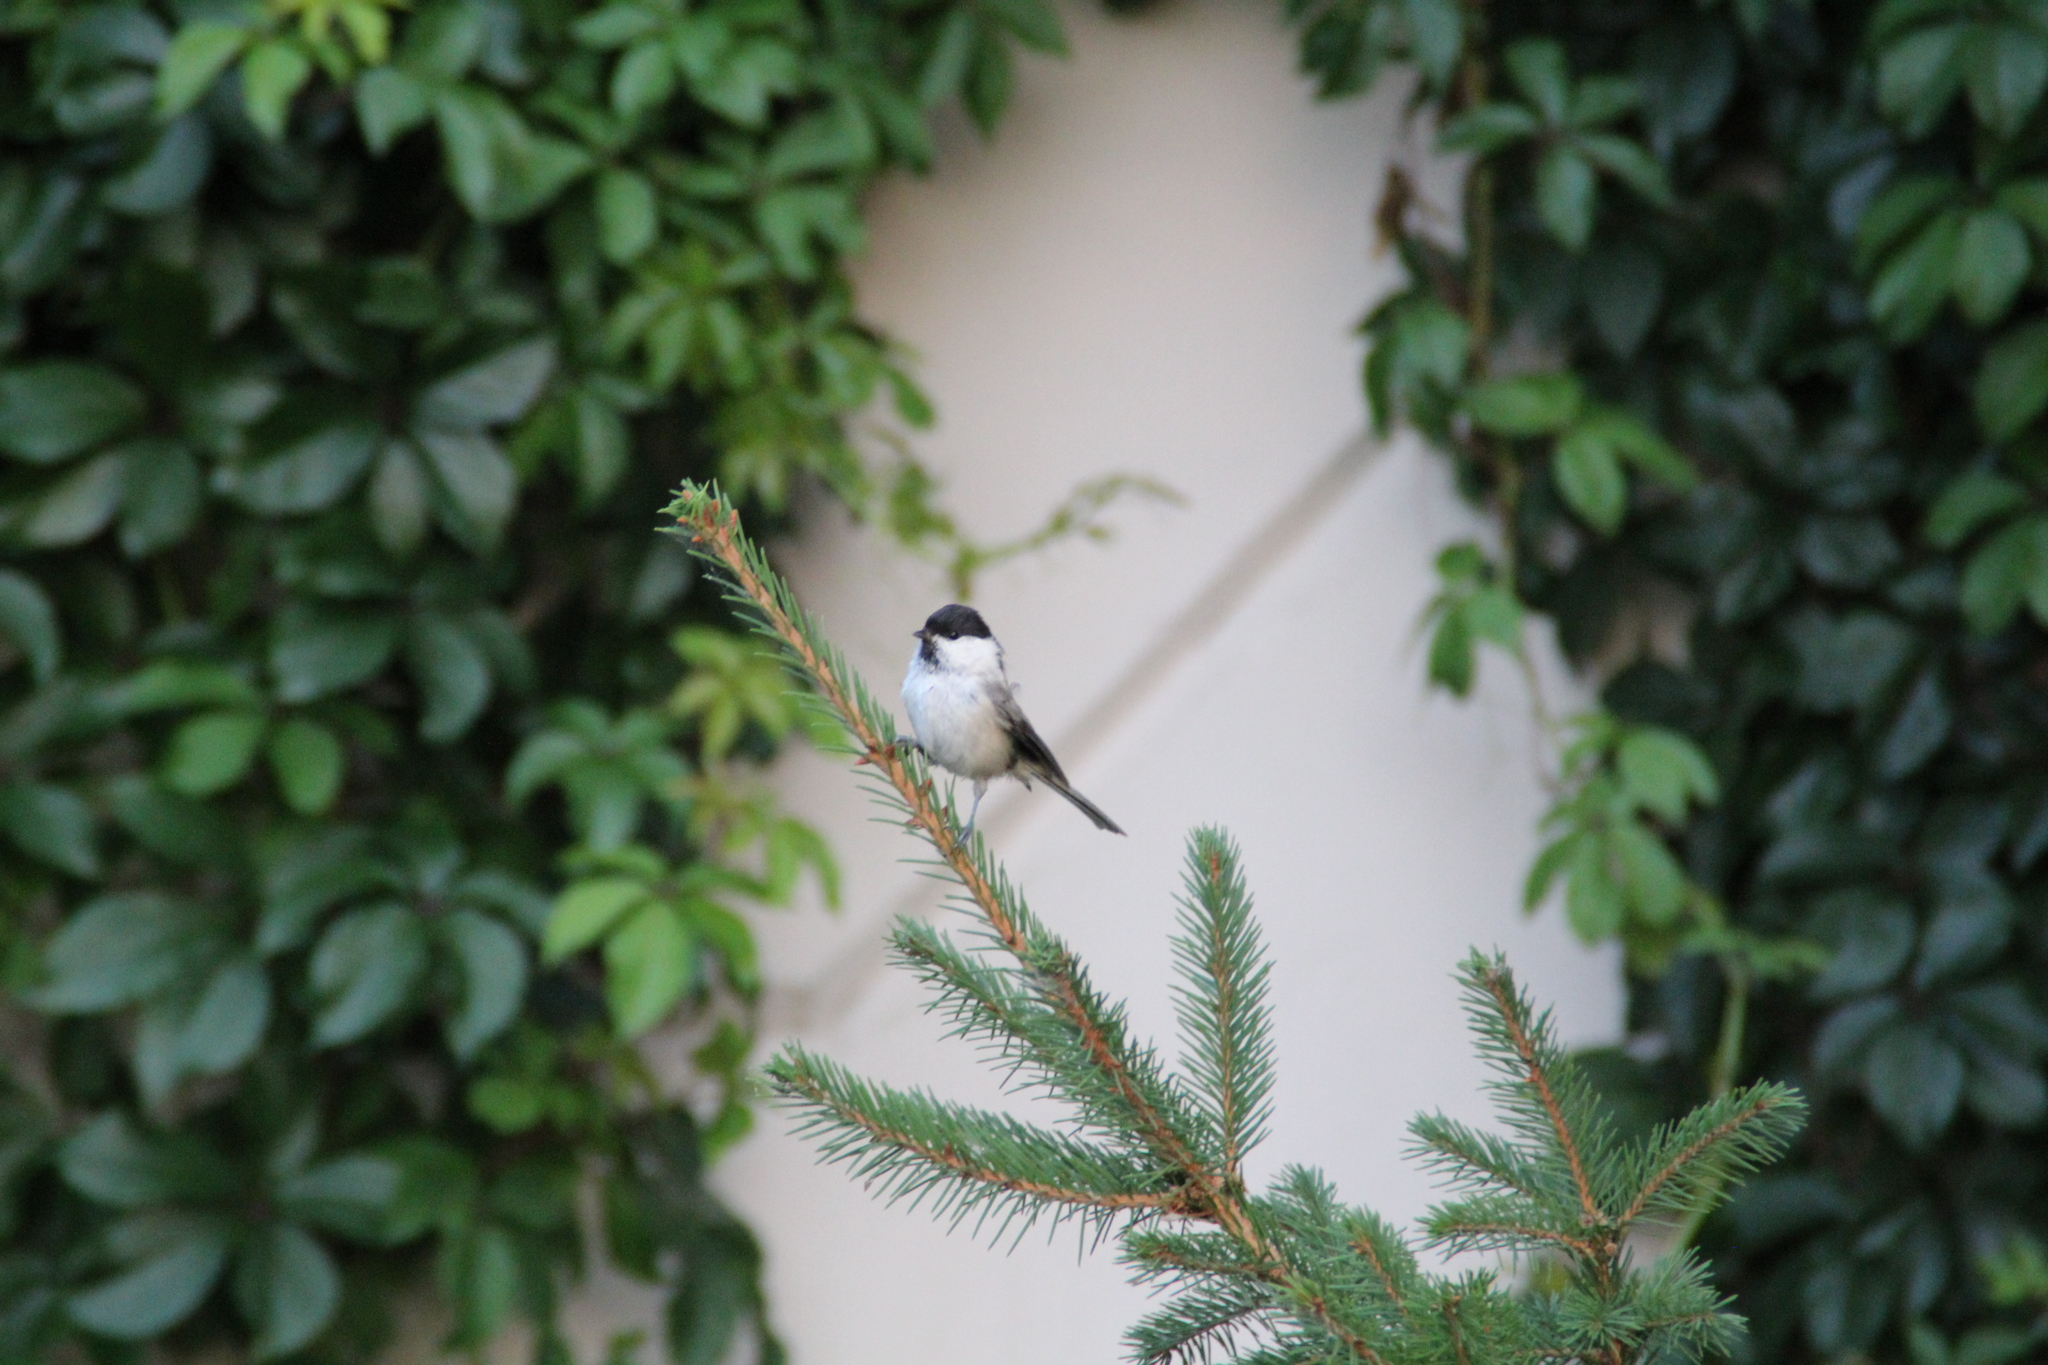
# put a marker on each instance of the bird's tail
(1081, 803)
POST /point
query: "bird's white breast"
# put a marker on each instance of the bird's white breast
(952, 707)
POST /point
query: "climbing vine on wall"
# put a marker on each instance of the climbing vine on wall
(371, 773)
(1742, 331)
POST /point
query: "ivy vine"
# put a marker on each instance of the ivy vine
(1743, 331)
(371, 775)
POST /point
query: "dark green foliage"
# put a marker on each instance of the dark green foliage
(361, 799)
(1795, 251)
(1155, 1153)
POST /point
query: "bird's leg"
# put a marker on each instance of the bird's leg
(905, 744)
(980, 788)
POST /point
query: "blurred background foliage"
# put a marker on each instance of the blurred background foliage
(1739, 341)
(370, 775)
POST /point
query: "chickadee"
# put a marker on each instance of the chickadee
(966, 718)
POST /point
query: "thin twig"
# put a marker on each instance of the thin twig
(1691, 1152)
(1525, 1049)
(971, 1170)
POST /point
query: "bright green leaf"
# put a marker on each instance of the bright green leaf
(210, 753)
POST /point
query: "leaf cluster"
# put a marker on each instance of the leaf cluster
(370, 773)
(1809, 566)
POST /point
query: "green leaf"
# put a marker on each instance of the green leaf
(1486, 128)
(1627, 162)
(173, 684)
(628, 218)
(1914, 1078)
(212, 752)
(1602, 99)
(169, 174)
(205, 1032)
(2003, 573)
(494, 972)
(160, 1291)
(2005, 68)
(227, 1018)
(1904, 205)
(1537, 68)
(1493, 613)
(1847, 662)
(50, 823)
(1566, 193)
(162, 494)
(1918, 76)
(2027, 200)
(754, 72)
(946, 64)
(272, 73)
(1589, 477)
(308, 763)
(1991, 264)
(507, 1105)
(1846, 551)
(287, 1286)
(110, 1163)
(453, 675)
(477, 486)
(498, 388)
(1527, 405)
(1909, 290)
(309, 476)
(586, 911)
(1436, 37)
(1593, 901)
(604, 447)
(1450, 652)
(1969, 501)
(363, 969)
(649, 961)
(349, 1195)
(466, 120)
(2012, 383)
(1923, 721)
(645, 77)
(1654, 881)
(389, 104)
(1870, 932)
(315, 650)
(1032, 21)
(615, 25)
(78, 506)
(1623, 296)
(54, 409)
(115, 950)
(398, 498)
(1663, 772)
(187, 832)
(1543, 873)
(30, 621)
(1967, 931)
(197, 56)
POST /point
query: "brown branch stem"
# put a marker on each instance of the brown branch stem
(1525, 1049)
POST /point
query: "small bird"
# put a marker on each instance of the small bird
(966, 717)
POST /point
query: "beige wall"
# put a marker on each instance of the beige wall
(1157, 268)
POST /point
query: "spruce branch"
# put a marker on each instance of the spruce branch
(1222, 1009)
(1290, 1275)
(711, 525)
(912, 1145)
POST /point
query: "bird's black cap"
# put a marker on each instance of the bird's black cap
(952, 621)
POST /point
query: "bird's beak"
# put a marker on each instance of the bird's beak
(917, 634)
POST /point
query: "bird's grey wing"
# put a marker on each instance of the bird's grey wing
(1032, 753)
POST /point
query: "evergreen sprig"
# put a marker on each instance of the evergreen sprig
(1291, 1275)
